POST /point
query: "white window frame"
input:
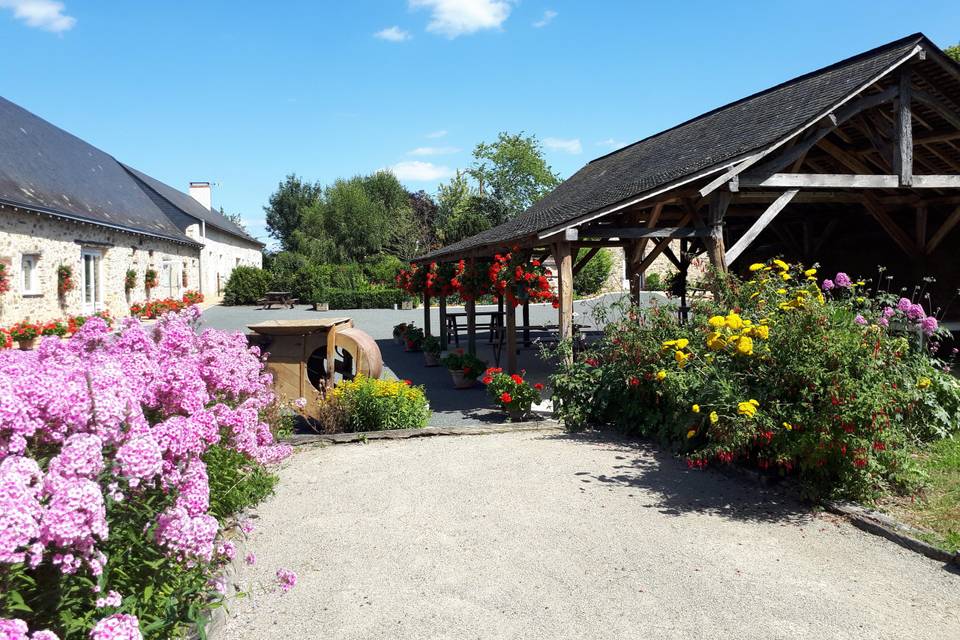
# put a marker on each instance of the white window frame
(97, 303)
(31, 287)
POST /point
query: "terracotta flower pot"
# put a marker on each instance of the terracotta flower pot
(27, 344)
(431, 359)
(461, 381)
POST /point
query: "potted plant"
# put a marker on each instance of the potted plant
(129, 281)
(413, 339)
(318, 297)
(150, 280)
(464, 368)
(431, 351)
(65, 282)
(399, 330)
(54, 328)
(25, 334)
(5, 340)
(512, 393)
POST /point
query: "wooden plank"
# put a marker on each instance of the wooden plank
(944, 229)
(848, 181)
(937, 105)
(651, 223)
(582, 262)
(719, 202)
(471, 327)
(634, 232)
(903, 155)
(512, 366)
(765, 218)
(564, 260)
(672, 257)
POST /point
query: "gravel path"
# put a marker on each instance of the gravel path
(544, 535)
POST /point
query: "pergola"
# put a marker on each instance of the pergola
(860, 159)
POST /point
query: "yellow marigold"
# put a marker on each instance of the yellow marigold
(781, 291)
(714, 418)
(691, 433)
(716, 341)
(762, 332)
(788, 426)
(923, 383)
(785, 276)
(667, 344)
(696, 408)
(783, 265)
(733, 321)
(748, 408)
(745, 346)
(717, 321)
(682, 343)
(661, 374)
(681, 358)
(756, 266)
(810, 272)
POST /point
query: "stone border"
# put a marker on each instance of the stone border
(298, 440)
(883, 525)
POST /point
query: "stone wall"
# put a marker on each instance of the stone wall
(222, 252)
(58, 242)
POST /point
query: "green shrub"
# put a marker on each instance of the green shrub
(590, 279)
(383, 270)
(373, 405)
(246, 285)
(794, 381)
(360, 299)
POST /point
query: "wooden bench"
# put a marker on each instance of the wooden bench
(282, 298)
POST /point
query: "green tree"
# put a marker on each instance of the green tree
(235, 218)
(287, 206)
(953, 52)
(513, 171)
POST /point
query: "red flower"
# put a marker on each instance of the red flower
(506, 398)
(516, 378)
(634, 381)
(487, 380)
(538, 387)
(408, 382)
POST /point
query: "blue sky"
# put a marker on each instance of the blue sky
(242, 93)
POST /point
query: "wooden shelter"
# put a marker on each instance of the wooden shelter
(852, 166)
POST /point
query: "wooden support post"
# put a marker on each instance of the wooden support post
(526, 323)
(564, 259)
(903, 152)
(765, 218)
(719, 202)
(443, 323)
(472, 327)
(512, 366)
(426, 314)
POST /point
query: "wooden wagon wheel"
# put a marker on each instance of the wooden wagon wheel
(355, 352)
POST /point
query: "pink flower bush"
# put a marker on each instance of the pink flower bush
(103, 417)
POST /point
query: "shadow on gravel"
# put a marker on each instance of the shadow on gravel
(675, 490)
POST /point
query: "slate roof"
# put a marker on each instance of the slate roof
(710, 140)
(46, 169)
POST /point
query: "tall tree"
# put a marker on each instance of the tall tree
(513, 171)
(287, 206)
(425, 215)
(953, 52)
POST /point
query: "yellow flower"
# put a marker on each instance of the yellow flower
(682, 343)
(756, 266)
(696, 408)
(810, 272)
(691, 433)
(785, 276)
(748, 408)
(762, 332)
(820, 298)
(745, 346)
(733, 321)
(716, 341)
(667, 344)
(714, 418)
(783, 265)
(681, 358)
(781, 291)
(788, 426)
(923, 383)
(661, 374)
(717, 321)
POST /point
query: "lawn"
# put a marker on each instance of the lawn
(936, 510)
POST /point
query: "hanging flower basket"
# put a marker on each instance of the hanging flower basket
(4, 279)
(519, 281)
(150, 280)
(65, 282)
(130, 280)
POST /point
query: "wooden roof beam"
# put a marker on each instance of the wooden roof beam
(848, 181)
(765, 218)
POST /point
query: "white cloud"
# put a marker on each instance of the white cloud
(437, 134)
(610, 143)
(433, 151)
(419, 171)
(42, 14)
(547, 18)
(453, 18)
(561, 144)
(393, 34)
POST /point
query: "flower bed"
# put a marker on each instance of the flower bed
(368, 404)
(829, 382)
(109, 447)
(156, 308)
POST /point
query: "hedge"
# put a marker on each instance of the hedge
(360, 299)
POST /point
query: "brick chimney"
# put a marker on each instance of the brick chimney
(200, 191)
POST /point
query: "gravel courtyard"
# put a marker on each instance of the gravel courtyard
(545, 535)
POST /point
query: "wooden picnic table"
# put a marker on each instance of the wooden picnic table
(282, 298)
(453, 323)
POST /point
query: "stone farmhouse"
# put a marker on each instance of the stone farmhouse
(65, 203)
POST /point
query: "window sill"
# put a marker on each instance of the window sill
(32, 294)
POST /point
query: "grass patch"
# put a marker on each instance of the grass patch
(936, 508)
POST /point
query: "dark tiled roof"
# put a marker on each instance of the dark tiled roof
(43, 167)
(706, 142)
(187, 204)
